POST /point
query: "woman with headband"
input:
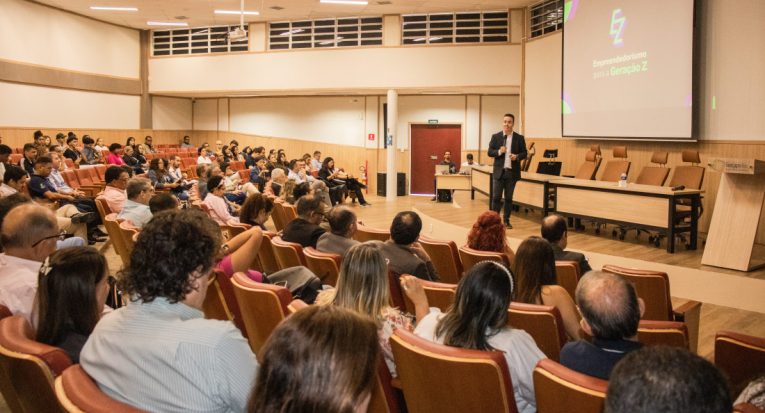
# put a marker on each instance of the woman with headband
(478, 321)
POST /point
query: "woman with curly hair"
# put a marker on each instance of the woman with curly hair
(159, 353)
(488, 234)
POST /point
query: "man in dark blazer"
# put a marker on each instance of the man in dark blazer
(508, 149)
(554, 230)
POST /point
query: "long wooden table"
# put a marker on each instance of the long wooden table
(635, 206)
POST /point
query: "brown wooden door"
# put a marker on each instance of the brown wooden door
(429, 142)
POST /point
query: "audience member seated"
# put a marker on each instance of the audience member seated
(468, 165)
(555, 231)
(488, 234)
(115, 155)
(305, 229)
(74, 229)
(309, 366)
(405, 255)
(287, 192)
(298, 172)
(259, 173)
(534, 270)
(57, 180)
(27, 162)
(274, 186)
(72, 151)
(256, 210)
(40, 188)
(203, 158)
(147, 142)
(15, 181)
(99, 146)
(611, 312)
(316, 163)
(5, 153)
(177, 176)
(160, 176)
(220, 209)
(71, 294)
(478, 321)
(340, 177)
(116, 180)
(186, 143)
(666, 379)
(319, 188)
(162, 202)
(130, 160)
(29, 234)
(186, 362)
(342, 224)
(362, 286)
(302, 189)
(329, 175)
(89, 154)
(136, 209)
(202, 172)
(140, 154)
(39, 143)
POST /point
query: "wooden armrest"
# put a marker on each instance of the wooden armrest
(567, 176)
(690, 314)
(396, 383)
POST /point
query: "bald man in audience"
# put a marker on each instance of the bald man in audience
(404, 254)
(554, 230)
(611, 311)
(29, 235)
(342, 224)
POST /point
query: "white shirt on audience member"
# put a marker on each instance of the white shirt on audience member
(300, 177)
(18, 284)
(521, 353)
(315, 164)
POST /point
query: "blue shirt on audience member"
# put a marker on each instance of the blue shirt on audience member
(598, 358)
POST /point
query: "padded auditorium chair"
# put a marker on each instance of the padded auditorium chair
(617, 166)
(440, 295)
(653, 288)
(77, 392)
(649, 175)
(530, 152)
(591, 164)
(438, 378)
(297, 305)
(665, 333)
(324, 265)
(290, 213)
(215, 306)
(568, 274)
(561, 390)
(112, 226)
(471, 257)
(279, 216)
(543, 323)
(396, 295)
(365, 233)
(445, 257)
(741, 357)
(263, 307)
(385, 398)
(267, 262)
(288, 254)
(28, 368)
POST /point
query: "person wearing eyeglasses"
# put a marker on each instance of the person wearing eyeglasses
(114, 192)
(29, 235)
(136, 209)
(221, 211)
(305, 229)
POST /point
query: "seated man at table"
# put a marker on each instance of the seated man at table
(342, 222)
(554, 230)
(611, 311)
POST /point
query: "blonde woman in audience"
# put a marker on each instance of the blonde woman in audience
(72, 289)
(312, 363)
(286, 193)
(478, 321)
(534, 270)
(100, 145)
(362, 286)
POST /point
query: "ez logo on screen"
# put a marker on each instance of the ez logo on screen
(618, 23)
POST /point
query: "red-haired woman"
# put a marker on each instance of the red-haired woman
(488, 234)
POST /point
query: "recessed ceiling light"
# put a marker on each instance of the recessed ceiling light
(114, 8)
(237, 12)
(356, 2)
(182, 24)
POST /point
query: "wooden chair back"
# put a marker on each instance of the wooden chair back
(297, 305)
(471, 257)
(665, 333)
(445, 257)
(28, 368)
(589, 168)
(440, 295)
(544, 323)
(439, 378)
(617, 166)
(324, 265)
(288, 254)
(385, 398)
(279, 216)
(290, 213)
(129, 232)
(559, 389)
(77, 392)
(263, 307)
(740, 356)
(266, 257)
(568, 274)
(215, 306)
(112, 226)
(365, 233)
(652, 287)
(103, 207)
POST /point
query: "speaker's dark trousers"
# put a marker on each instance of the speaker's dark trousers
(503, 184)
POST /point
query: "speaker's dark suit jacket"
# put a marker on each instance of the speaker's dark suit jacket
(518, 147)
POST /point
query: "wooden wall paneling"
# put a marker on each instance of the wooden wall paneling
(16, 137)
